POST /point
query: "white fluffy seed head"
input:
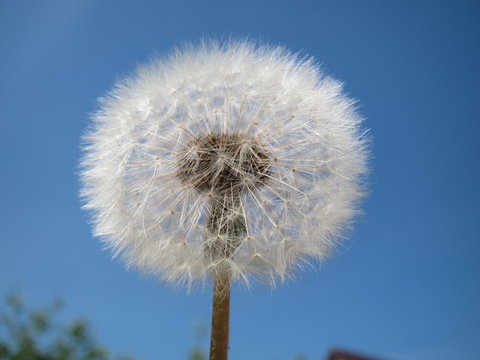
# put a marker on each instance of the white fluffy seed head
(224, 157)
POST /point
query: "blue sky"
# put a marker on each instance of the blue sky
(405, 286)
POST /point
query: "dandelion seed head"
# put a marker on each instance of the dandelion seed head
(224, 157)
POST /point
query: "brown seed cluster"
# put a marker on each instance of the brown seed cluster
(221, 163)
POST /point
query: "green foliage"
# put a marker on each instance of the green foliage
(34, 335)
(197, 353)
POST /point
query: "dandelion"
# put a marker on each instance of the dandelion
(231, 161)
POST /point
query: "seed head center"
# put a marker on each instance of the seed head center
(221, 163)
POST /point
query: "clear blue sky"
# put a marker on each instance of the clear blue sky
(406, 286)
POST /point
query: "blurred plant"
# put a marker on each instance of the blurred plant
(197, 351)
(34, 335)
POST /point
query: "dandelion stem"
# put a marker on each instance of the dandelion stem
(220, 317)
